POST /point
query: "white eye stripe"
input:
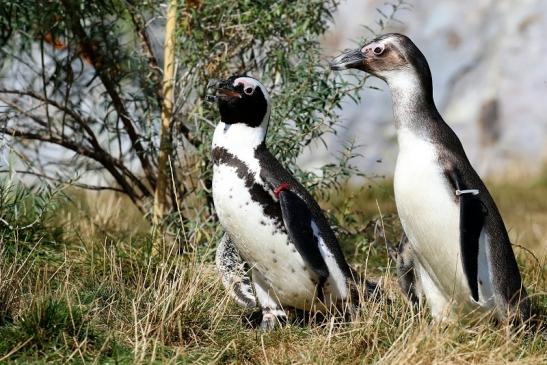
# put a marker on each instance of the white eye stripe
(377, 48)
(253, 83)
(246, 82)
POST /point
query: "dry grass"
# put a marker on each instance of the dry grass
(103, 299)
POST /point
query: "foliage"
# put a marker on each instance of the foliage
(27, 225)
(83, 88)
(86, 99)
(27, 216)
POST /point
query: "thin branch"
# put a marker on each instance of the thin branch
(153, 64)
(23, 112)
(44, 84)
(75, 116)
(95, 58)
(99, 151)
(80, 150)
(61, 181)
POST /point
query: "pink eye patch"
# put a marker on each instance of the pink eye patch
(245, 82)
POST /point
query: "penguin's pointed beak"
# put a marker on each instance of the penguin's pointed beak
(349, 59)
(221, 89)
(211, 90)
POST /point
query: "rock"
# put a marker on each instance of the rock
(489, 65)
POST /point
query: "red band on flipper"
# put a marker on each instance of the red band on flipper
(280, 188)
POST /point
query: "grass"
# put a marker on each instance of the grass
(80, 286)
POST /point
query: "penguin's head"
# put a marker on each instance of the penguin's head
(242, 100)
(391, 57)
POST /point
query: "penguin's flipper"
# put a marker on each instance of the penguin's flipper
(234, 273)
(298, 222)
(472, 216)
(471, 222)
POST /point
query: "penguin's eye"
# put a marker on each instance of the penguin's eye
(248, 90)
(378, 50)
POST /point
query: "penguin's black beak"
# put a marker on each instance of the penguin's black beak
(221, 89)
(211, 90)
(349, 59)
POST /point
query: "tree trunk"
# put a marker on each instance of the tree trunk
(160, 195)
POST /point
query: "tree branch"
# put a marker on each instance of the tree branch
(80, 150)
(156, 69)
(61, 181)
(16, 107)
(95, 58)
(140, 28)
(98, 150)
(160, 195)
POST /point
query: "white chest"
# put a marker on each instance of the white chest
(258, 238)
(431, 219)
(428, 212)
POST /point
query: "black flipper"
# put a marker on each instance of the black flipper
(298, 219)
(472, 213)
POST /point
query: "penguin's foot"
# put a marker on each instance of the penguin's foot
(442, 317)
(272, 318)
(374, 291)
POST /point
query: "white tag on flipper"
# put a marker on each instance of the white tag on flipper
(468, 191)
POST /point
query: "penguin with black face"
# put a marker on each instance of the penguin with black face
(278, 250)
(459, 253)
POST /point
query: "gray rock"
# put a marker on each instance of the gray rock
(489, 65)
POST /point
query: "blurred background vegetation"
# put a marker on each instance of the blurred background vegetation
(81, 91)
(80, 112)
